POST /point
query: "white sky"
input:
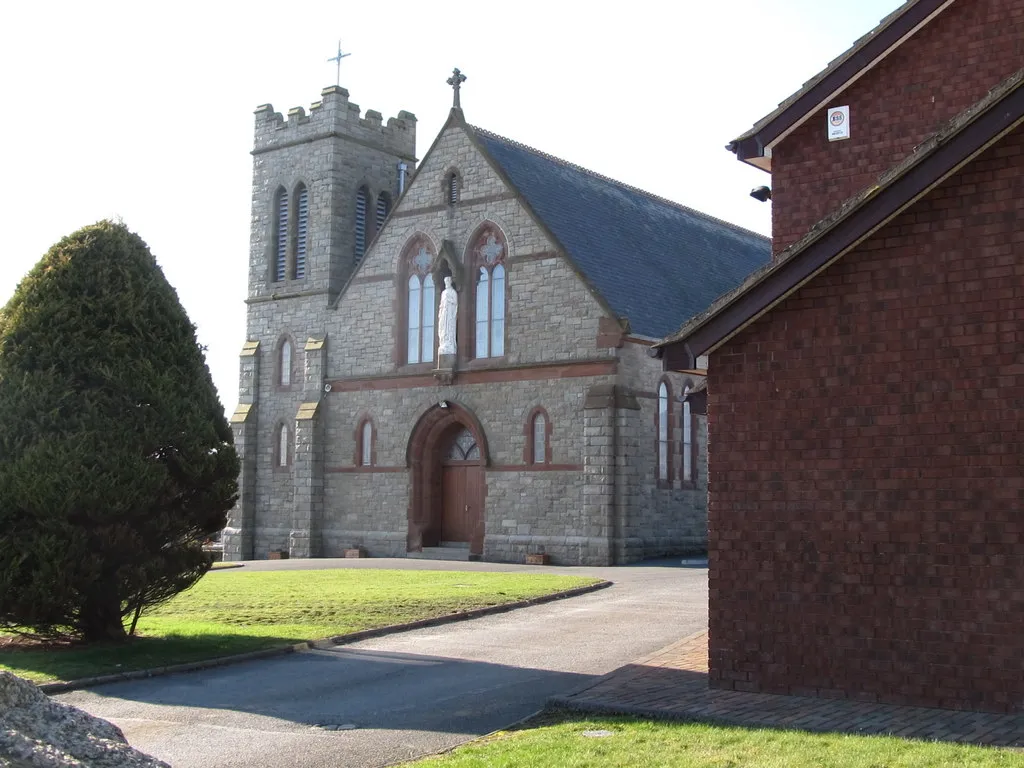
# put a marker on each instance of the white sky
(143, 111)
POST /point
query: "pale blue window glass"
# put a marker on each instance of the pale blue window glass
(483, 293)
(415, 318)
(539, 439)
(687, 440)
(663, 432)
(367, 440)
(498, 311)
(428, 319)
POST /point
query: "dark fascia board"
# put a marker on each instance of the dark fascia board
(752, 144)
(874, 211)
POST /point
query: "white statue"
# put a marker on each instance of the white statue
(446, 317)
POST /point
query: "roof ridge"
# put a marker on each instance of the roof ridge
(618, 183)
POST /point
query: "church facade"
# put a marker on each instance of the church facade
(516, 412)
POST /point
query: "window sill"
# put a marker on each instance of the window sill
(485, 362)
(416, 367)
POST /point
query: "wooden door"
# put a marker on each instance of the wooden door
(456, 520)
(462, 492)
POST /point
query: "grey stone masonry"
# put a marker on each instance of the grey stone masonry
(565, 420)
(237, 538)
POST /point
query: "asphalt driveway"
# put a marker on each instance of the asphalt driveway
(397, 697)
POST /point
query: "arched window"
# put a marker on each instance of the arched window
(284, 363)
(687, 438)
(365, 447)
(301, 231)
(419, 304)
(362, 204)
(489, 253)
(452, 188)
(280, 235)
(663, 433)
(282, 450)
(538, 432)
(383, 209)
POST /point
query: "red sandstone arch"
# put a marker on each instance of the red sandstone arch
(427, 442)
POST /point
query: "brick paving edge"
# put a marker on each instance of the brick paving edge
(562, 700)
(330, 642)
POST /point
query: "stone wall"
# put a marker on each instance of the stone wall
(658, 518)
(592, 501)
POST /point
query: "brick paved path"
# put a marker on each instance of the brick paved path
(673, 683)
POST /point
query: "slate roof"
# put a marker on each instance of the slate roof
(653, 261)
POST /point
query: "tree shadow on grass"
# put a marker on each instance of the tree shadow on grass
(49, 662)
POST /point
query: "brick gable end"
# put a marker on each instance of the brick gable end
(945, 67)
(867, 472)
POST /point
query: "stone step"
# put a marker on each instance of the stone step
(452, 551)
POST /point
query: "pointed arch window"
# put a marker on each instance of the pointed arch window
(362, 208)
(663, 433)
(284, 363)
(489, 252)
(420, 305)
(301, 231)
(383, 209)
(280, 235)
(687, 438)
(282, 449)
(538, 437)
(366, 448)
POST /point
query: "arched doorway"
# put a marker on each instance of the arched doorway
(447, 455)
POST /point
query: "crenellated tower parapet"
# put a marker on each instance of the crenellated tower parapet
(322, 181)
(335, 116)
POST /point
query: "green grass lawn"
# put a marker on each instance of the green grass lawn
(234, 611)
(561, 740)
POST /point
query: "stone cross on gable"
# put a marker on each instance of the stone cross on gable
(338, 59)
(456, 81)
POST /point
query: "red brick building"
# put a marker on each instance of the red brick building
(866, 389)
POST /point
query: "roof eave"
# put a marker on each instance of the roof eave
(754, 147)
(875, 209)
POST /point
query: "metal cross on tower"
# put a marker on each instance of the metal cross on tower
(456, 81)
(338, 59)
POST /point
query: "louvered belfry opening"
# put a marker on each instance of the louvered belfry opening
(362, 199)
(301, 232)
(281, 256)
(383, 209)
(453, 188)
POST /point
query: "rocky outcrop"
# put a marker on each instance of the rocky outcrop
(37, 732)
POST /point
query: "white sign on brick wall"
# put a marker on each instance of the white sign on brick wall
(838, 123)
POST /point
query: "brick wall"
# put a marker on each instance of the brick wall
(867, 471)
(947, 66)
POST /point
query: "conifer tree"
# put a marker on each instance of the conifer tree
(116, 461)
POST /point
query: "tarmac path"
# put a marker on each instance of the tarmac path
(398, 697)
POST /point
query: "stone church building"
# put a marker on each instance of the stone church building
(544, 426)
